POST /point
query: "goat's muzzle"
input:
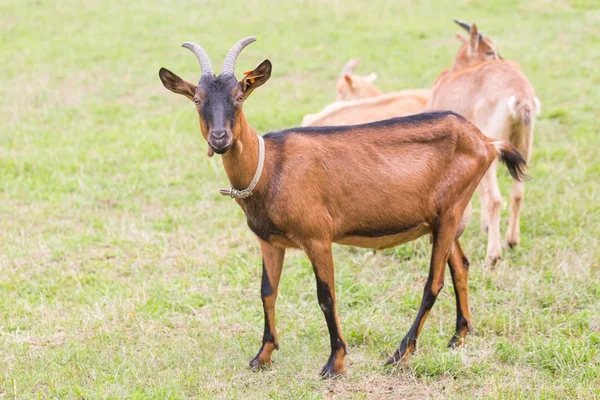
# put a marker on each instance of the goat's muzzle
(220, 141)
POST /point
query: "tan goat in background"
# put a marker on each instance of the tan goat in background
(351, 86)
(359, 102)
(369, 109)
(496, 96)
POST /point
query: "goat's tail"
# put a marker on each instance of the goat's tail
(523, 109)
(510, 156)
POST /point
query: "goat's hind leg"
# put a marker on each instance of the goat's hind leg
(513, 234)
(272, 265)
(484, 219)
(321, 258)
(443, 237)
(493, 204)
(459, 269)
(523, 141)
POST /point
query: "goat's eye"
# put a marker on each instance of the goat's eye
(240, 98)
(197, 100)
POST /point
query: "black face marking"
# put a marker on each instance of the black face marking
(218, 110)
(408, 121)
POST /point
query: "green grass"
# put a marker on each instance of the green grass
(124, 274)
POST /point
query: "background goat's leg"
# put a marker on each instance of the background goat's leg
(459, 269)
(489, 185)
(484, 217)
(522, 139)
(321, 258)
(513, 234)
(443, 236)
(272, 264)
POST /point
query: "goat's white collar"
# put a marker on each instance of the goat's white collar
(242, 194)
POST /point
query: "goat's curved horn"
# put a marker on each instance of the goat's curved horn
(205, 64)
(350, 65)
(229, 63)
(466, 26)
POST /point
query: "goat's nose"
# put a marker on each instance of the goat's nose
(218, 135)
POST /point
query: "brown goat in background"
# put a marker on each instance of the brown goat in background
(375, 185)
(497, 97)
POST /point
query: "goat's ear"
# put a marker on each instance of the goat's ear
(473, 39)
(175, 84)
(348, 79)
(350, 65)
(256, 77)
(371, 77)
(461, 38)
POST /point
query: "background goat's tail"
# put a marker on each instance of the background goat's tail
(511, 157)
(524, 109)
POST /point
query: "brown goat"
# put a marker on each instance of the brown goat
(375, 185)
(496, 96)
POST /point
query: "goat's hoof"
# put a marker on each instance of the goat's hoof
(335, 365)
(512, 243)
(256, 364)
(456, 342)
(493, 260)
(459, 336)
(396, 359)
(329, 372)
(263, 358)
(401, 355)
(393, 360)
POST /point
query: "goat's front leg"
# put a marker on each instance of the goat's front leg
(321, 258)
(443, 236)
(272, 265)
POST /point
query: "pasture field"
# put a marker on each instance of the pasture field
(124, 274)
